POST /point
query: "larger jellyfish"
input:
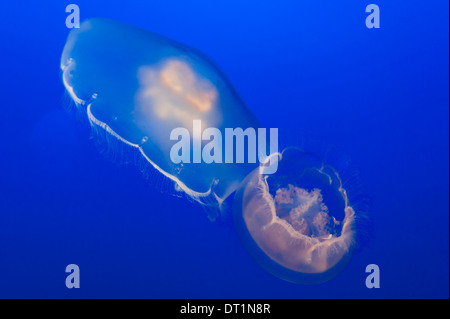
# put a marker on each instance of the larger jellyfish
(139, 86)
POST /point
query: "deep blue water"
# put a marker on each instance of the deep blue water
(379, 95)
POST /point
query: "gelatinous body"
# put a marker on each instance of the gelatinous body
(297, 223)
(138, 86)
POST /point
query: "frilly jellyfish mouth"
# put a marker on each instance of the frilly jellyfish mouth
(306, 213)
(298, 222)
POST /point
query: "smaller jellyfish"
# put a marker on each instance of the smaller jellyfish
(297, 223)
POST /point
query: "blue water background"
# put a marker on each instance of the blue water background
(307, 67)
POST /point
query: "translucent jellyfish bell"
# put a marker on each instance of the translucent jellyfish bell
(138, 87)
(297, 223)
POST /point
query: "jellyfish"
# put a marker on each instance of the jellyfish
(297, 223)
(136, 87)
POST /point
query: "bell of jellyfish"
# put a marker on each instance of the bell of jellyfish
(137, 87)
(297, 223)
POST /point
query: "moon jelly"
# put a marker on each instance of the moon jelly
(298, 222)
(138, 86)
